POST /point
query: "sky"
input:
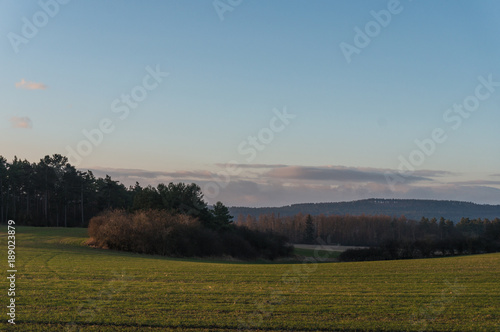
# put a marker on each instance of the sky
(261, 103)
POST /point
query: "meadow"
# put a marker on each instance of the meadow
(63, 285)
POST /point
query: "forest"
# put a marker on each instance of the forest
(388, 237)
(170, 219)
(54, 193)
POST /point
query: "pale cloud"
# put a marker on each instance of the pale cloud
(479, 183)
(126, 175)
(250, 166)
(23, 84)
(21, 122)
(433, 173)
(335, 173)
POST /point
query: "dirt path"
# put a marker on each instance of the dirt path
(326, 247)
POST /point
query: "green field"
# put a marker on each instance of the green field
(332, 255)
(62, 285)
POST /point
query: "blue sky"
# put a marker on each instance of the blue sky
(351, 120)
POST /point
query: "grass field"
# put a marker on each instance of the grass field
(64, 286)
(332, 255)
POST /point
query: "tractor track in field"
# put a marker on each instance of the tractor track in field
(73, 326)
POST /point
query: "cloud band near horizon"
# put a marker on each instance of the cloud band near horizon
(278, 185)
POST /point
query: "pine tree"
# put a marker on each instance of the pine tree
(309, 233)
(221, 217)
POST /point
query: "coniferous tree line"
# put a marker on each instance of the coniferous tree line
(54, 193)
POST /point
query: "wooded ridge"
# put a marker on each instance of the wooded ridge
(410, 208)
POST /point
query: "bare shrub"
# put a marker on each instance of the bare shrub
(163, 233)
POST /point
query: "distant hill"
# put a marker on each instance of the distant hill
(410, 208)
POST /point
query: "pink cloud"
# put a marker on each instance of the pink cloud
(21, 122)
(30, 85)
